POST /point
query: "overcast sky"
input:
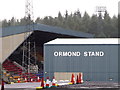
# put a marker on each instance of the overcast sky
(16, 8)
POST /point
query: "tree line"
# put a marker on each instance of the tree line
(98, 24)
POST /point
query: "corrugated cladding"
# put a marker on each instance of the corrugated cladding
(12, 30)
(94, 68)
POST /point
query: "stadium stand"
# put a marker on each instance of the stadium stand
(12, 48)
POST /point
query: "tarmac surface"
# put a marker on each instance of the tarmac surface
(94, 85)
(65, 89)
(64, 86)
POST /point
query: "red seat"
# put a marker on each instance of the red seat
(11, 67)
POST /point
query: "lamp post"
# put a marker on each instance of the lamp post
(100, 9)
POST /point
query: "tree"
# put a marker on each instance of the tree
(85, 22)
(12, 21)
(38, 20)
(93, 25)
(66, 14)
(118, 25)
(4, 23)
(78, 13)
(0, 24)
(23, 21)
(100, 26)
(107, 17)
(17, 22)
(114, 23)
(60, 18)
(108, 28)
